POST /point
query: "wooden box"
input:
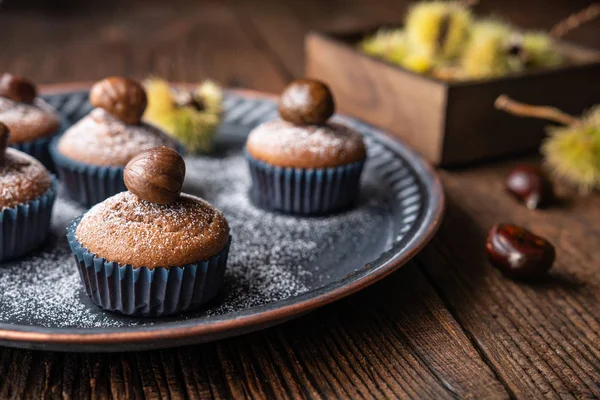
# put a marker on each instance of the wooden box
(450, 123)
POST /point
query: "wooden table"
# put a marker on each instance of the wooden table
(447, 325)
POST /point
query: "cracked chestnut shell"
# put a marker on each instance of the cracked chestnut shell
(122, 97)
(155, 175)
(519, 253)
(4, 135)
(530, 185)
(306, 102)
(17, 88)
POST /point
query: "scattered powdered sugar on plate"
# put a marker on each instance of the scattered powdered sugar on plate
(273, 256)
(44, 288)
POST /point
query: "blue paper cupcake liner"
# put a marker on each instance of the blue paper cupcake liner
(88, 184)
(25, 227)
(85, 183)
(40, 148)
(304, 191)
(147, 292)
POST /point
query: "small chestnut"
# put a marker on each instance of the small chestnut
(517, 252)
(4, 135)
(530, 185)
(122, 97)
(17, 88)
(306, 102)
(155, 175)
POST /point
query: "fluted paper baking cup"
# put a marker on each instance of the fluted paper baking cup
(25, 227)
(40, 148)
(302, 190)
(147, 292)
(87, 184)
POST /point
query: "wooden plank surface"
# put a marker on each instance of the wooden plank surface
(446, 326)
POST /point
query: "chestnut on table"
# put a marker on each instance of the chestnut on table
(529, 184)
(518, 253)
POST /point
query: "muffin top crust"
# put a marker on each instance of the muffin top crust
(28, 122)
(102, 139)
(22, 179)
(128, 230)
(285, 144)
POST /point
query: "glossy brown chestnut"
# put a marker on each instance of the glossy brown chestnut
(122, 97)
(517, 252)
(17, 88)
(306, 102)
(155, 175)
(530, 185)
(4, 135)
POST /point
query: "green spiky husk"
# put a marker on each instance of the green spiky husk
(392, 46)
(541, 51)
(469, 48)
(389, 44)
(194, 128)
(573, 152)
(486, 55)
(424, 26)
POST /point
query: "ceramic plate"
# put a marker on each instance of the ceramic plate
(280, 266)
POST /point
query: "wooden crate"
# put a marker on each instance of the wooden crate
(450, 123)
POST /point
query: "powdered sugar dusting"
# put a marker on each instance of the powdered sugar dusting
(319, 143)
(273, 256)
(101, 139)
(22, 178)
(129, 230)
(28, 121)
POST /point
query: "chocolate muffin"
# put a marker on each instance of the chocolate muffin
(27, 193)
(151, 251)
(104, 140)
(302, 163)
(31, 120)
(284, 144)
(92, 154)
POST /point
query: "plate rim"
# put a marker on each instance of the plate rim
(22, 336)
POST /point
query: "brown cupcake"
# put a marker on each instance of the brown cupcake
(102, 139)
(151, 251)
(304, 137)
(28, 122)
(302, 163)
(28, 117)
(27, 195)
(22, 179)
(113, 132)
(285, 144)
(129, 230)
(91, 155)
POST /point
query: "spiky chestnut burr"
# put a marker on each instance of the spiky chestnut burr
(571, 151)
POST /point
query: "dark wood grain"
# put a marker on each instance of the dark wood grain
(543, 336)
(446, 326)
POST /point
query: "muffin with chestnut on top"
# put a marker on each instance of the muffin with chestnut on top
(27, 193)
(91, 155)
(303, 163)
(32, 121)
(151, 251)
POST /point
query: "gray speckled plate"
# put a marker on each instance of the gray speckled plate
(280, 266)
